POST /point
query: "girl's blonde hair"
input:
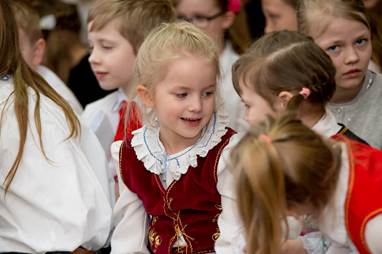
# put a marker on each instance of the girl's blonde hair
(165, 44)
(286, 61)
(24, 78)
(314, 16)
(281, 165)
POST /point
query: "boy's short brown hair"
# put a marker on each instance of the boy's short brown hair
(137, 17)
(27, 19)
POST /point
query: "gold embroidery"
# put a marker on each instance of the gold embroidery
(154, 239)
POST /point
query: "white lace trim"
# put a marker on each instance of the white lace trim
(151, 152)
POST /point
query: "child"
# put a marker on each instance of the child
(280, 14)
(116, 31)
(173, 169)
(215, 17)
(50, 197)
(267, 87)
(32, 46)
(341, 29)
(285, 168)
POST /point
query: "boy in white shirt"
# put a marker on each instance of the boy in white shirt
(116, 30)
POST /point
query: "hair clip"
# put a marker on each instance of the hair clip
(305, 92)
(234, 6)
(265, 138)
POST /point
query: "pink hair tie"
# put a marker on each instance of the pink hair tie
(265, 138)
(234, 6)
(305, 92)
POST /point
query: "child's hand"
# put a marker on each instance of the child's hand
(293, 247)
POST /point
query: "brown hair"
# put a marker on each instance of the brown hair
(286, 61)
(313, 16)
(24, 79)
(27, 19)
(281, 165)
(137, 18)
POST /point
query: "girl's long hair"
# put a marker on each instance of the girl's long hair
(12, 63)
(281, 165)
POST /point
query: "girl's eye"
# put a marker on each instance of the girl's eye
(361, 42)
(181, 95)
(106, 47)
(208, 93)
(333, 49)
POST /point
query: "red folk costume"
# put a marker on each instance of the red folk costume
(364, 196)
(187, 210)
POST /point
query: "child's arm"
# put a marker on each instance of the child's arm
(129, 219)
(232, 236)
(373, 234)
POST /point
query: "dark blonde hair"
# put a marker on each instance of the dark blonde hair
(24, 78)
(286, 61)
(136, 18)
(281, 165)
(166, 43)
(313, 16)
(27, 19)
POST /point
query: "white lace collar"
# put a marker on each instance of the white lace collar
(151, 152)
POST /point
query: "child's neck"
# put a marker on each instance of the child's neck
(173, 146)
(345, 95)
(310, 115)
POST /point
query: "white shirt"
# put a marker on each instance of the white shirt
(57, 204)
(129, 213)
(233, 105)
(59, 86)
(102, 117)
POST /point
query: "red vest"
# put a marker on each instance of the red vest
(364, 196)
(188, 207)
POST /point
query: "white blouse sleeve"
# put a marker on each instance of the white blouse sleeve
(373, 234)
(231, 239)
(129, 217)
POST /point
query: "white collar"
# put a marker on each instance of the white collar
(151, 152)
(120, 97)
(327, 125)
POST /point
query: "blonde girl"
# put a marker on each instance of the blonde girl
(286, 168)
(172, 171)
(341, 29)
(215, 18)
(50, 197)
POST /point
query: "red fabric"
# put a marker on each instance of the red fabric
(190, 205)
(134, 121)
(363, 200)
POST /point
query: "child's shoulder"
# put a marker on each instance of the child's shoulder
(105, 104)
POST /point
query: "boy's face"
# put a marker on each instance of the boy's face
(112, 56)
(256, 107)
(348, 44)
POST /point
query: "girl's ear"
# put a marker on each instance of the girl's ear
(229, 18)
(284, 97)
(145, 96)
